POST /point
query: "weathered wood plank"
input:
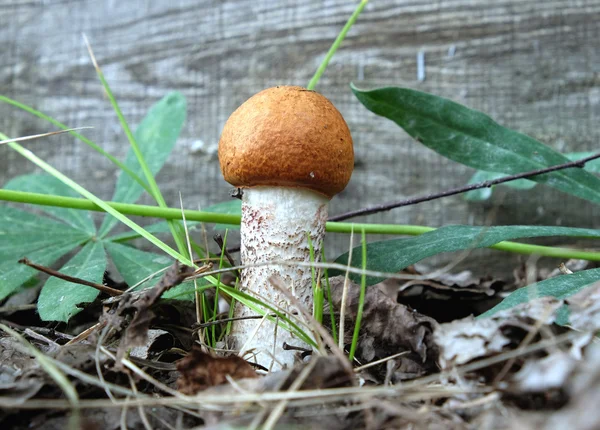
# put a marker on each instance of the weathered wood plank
(533, 65)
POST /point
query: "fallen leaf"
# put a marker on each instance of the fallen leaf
(468, 339)
(136, 308)
(584, 308)
(447, 296)
(200, 370)
(325, 372)
(387, 328)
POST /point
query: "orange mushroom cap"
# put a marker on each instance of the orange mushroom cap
(287, 136)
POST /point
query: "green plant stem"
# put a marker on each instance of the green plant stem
(84, 139)
(336, 44)
(333, 227)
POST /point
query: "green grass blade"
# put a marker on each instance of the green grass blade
(84, 139)
(174, 226)
(154, 140)
(264, 309)
(336, 44)
(217, 287)
(156, 228)
(334, 329)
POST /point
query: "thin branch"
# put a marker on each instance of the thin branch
(51, 272)
(486, 184)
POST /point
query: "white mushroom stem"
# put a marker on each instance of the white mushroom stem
(275, 224)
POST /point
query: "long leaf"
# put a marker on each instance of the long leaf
(559, 287)
(59, 300)
(474, 139)
(394, 255)
(155, 136)
(46, 184)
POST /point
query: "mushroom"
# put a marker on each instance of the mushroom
(290, 150)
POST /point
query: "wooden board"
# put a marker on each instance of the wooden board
(532, 65)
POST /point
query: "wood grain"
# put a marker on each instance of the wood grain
(533, 65)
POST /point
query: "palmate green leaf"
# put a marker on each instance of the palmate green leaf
(230, 207)
(98, 202)
(135, 265)
(46, 184)
(559, 287)
(59, 300)
(395, 255)
(42, 240)
(156, 136)
(474, 139)
(521, 184)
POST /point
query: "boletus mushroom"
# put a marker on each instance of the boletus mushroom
(290, 150)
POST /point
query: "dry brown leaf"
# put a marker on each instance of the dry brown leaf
(447, 296)
(326, 372)
(584, 309)
(468, 339)
(200, 370)
(136, 307)
(387, 328)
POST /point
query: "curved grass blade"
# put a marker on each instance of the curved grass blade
(59, 300)
(84, 139)
(46, 184)
(474, 139)
(395, 255)
(264, 309)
